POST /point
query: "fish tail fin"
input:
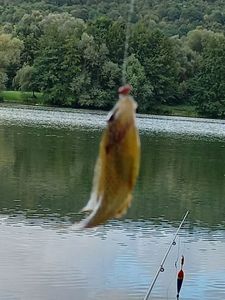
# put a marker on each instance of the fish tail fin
(92, 203)
(96, 217)
(99, 215)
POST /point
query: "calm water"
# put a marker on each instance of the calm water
(46, 165)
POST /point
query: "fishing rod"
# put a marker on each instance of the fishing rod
(161, 268)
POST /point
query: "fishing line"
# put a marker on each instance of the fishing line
(126, 46)
(178, 253)
(173, 278)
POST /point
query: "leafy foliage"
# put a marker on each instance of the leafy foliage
(72, 51)
(208, 84)
(10, 49)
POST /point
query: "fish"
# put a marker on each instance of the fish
(117, 165)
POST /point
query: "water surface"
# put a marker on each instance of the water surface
(47, 158)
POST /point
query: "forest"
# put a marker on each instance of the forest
(72, 52)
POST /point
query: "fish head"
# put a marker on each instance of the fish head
(124, 111)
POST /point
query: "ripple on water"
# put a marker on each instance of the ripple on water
(39, 116)
(121, 266)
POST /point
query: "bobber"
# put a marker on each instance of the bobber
(180, 277)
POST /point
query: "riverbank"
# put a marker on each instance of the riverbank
(18, 97)
(180, 110)
(21, 97)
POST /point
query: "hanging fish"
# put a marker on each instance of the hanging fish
(180, 277)
(117, 165)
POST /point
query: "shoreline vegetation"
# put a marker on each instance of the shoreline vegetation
(72, 53)
(30, 98)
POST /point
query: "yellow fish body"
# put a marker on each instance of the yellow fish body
(117, 166)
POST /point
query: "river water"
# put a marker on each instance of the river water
(47, 158)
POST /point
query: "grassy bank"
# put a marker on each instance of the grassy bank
(181, 110)
(28, 98)
(22, 97)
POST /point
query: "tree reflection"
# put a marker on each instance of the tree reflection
(48, 171)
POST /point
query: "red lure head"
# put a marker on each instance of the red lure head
(125, 90)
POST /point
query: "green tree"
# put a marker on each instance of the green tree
(10, 49)
(29, 30)
(102, 75)
(57, 60)
(156, 54)
(24, 79)
(197, 39)
(208, 85)
(142, 88)
(112, 33)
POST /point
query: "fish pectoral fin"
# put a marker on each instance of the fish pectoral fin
(124, 207)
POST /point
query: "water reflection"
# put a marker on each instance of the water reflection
(117, 262)
(48, 172)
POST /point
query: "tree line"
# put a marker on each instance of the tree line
(72, 52)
